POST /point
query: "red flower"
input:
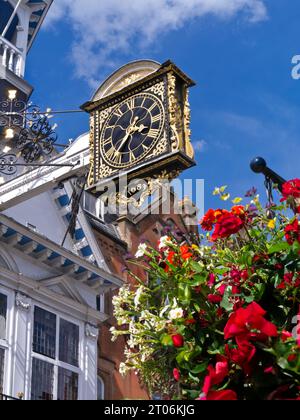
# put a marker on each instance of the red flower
(186, 253)
(176, 374)
(239, 211)
(285, 335)
(215, 299)
(211, 280)
(242, 355)
(226, 395)
(226, 226)
(178, 340)
(216, 375)
(208, 221)
(291, 189)
(287, 281)
(292, 358)
(270, 370)
(292, 232)
(191, 321)
(250, 323)
(170, 260)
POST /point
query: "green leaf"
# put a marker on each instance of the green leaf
(194, 378)
(278, 247)
(199, 279)
(226, 304)
(296, 247)
(249, 299)
(166, 340)
(197, 267)
(200, 369)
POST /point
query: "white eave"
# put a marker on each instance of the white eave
(45, 251)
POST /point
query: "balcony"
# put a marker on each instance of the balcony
(7, 398)
(11, 57)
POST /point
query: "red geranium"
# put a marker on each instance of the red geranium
(216, 375)
(291, 189)
(249, 323)
(287, 281)
(226, 226)
(241, 355)
(292, 232)
(208, 220)
(226, 395)
(215, 299)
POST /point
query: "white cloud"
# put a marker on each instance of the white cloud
(200, 145)
(103, 28)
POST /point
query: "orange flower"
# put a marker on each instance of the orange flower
(238, 210)
(186, 253)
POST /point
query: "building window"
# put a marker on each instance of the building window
(3, 313)
(55, 359)
(42, 380)
(44, 336)
(3, 339)
(67, 385)
(2, 357)
(69, 343)
(100, 389)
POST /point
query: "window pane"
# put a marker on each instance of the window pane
(2, 356)
(100, 389)
(44, 336)
(68, 343)
(3, 312)
(67, 385)
(42, 380)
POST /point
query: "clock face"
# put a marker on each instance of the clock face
(132, 130)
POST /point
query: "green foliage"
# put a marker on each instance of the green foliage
(178, 319)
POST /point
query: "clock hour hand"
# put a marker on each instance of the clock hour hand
(130, 130)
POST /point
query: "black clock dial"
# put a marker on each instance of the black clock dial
(132, 130)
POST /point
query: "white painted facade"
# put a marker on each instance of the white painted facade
(51, 295)
(36, 271)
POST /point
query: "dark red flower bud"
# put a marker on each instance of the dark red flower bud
(178, 340)
(176, 374)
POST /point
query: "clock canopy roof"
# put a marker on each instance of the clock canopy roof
(126, 76)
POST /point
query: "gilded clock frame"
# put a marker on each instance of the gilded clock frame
(171, 86)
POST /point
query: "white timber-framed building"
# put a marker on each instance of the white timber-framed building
(51, 295)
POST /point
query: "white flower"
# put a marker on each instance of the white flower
(138, 295)
(123, 369)
(176, 314)
(141, 251)
(164, 242)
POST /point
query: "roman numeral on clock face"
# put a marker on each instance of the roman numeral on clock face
(111, 153)
(131, 104)
(156, 118)
(107, 141)
(153, 133)
(152, 107)
(119, 113)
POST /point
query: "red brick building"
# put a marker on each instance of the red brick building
(115, 244)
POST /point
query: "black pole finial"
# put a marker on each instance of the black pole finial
(259, 166)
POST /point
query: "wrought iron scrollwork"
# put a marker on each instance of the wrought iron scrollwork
(37, 140)
(34, 136)
(7, 164)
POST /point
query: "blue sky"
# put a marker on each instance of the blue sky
(245, 103)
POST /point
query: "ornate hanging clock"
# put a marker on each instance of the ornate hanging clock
(140, 124)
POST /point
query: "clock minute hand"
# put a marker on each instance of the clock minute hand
(126, 137)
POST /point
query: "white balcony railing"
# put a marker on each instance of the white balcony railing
(11, 57)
